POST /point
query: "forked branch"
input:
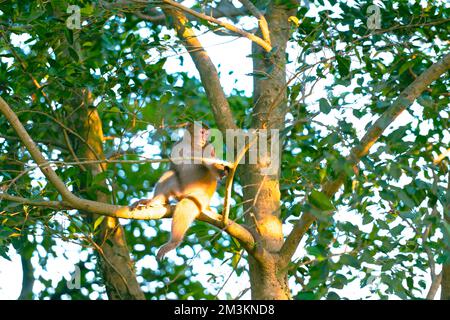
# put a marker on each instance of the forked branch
(261, 42)
(261, 19)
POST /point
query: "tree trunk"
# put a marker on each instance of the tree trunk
(262, 193)
(115, 263)
(267, 281)
(445, 282)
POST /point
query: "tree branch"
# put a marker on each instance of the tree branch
(264, 44)
(208, 72)
(146, 213)
(58, 205)
(223, 9)
(27, 278)
(435, 283)
(111, 161)
(406, 98)
(445, 281)
(229, 182)
(156, 19)
(38, 87)
(442, 156)
(261, 19)
(70, 201)
(43, 141)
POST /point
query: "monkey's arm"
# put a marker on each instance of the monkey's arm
(222, 166)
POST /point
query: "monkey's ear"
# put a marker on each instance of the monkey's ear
(205, 125)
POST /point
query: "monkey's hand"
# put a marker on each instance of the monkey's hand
(140, 203)
(223, 169)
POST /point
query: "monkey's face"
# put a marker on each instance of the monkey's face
(198, 135)
(204, 135)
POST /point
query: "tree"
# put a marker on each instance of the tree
(367, 205)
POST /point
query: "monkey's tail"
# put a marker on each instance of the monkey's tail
(165, 249)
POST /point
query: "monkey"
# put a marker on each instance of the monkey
(192, 183)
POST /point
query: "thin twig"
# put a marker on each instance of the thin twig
(229, 182)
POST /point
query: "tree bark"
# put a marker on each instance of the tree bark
(114, 257)
(435, 284)
(262, 193)
(445, 282)
(268, 281)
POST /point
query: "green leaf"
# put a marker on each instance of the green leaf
(4, 254)
(343, 65)
(100, 178)
(235, 260)
(422, 284)
(339, 281)
(73, 54)
(321, 201)
(406, 199)
(236, 244)
(367, 219)
(404, 67)
(410, 283)
(324, 105)
(397, 230)
(88, 10)
(308, 295)
(98, 221)
(314, 251)
(333, 296)
(350, 260)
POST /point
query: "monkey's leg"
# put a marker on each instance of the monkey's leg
(185, 213)
(166, 186)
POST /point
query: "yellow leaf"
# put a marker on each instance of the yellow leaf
(98, 222)
(236, 259)
(294, 20)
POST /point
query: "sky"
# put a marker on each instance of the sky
(230, 55)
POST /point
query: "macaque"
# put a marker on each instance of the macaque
(191, 182)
